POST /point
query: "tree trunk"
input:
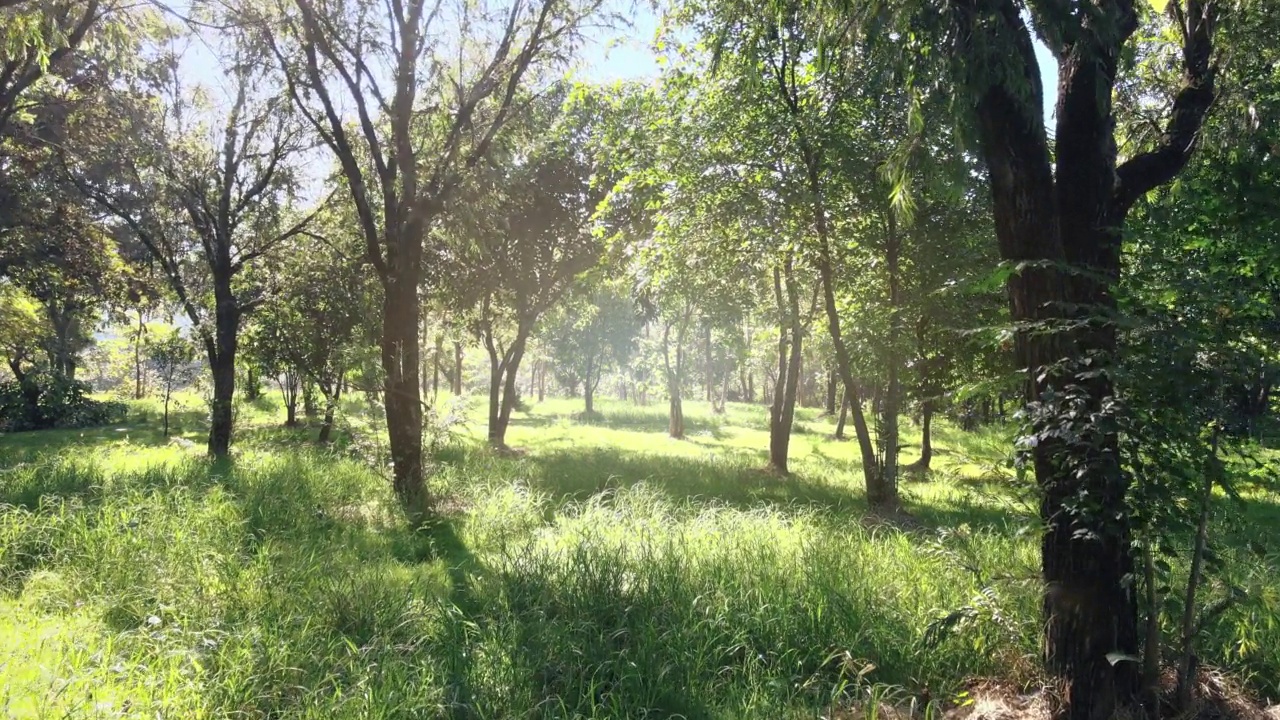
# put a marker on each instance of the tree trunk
(252, 386)
(844, 414)
(675, 374)
(885, 491)
(309, 407)
(831, 393)
(708, 364)
(871, 470)
(504, 373)
(435, 367)
(399, 347)
(786, 387)
(926, 441)
(221, 407)
(222, 350)
(1068, 209)
(589, 389)
(289, 391)
(168, 393)
(510, 392)
(331, 398)
(495, 391)
(138, 390)
(457, 368)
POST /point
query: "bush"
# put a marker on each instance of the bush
(43, 400)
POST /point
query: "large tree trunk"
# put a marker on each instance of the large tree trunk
(399, 348)
(222, 365)
(782, 412)
(1044, 223)
(221, 407)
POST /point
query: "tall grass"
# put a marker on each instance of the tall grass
(589, 582)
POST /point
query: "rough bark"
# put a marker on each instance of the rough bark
(399, 350)
(1070, 214)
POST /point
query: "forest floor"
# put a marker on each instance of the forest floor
(603, 571)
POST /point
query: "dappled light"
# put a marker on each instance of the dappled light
(686, 359)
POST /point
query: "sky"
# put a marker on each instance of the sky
(626, 55)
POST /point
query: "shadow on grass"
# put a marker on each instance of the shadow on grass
(570, 475)
(37, 445)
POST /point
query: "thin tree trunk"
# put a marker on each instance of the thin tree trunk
(589, 388)
(1187, 663)
(831, 393)
(138, 390)
(844, 414)
(926, 441)
(707, 359)
(435, 367)
(786, 388)
(675, 374)
(168, 393)
(887, 491)
(331, 398)
(309, 407)
(510, 391)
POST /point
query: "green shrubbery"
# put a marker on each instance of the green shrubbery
(46, 400)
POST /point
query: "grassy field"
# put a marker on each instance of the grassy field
(606, 571)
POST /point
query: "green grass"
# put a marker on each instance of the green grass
(607, 572)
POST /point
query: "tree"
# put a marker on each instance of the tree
(592, 334)
(318, 321)
(1059, 212)
(172, 358)
(427, 109)
(69, 266)
(39, 37)
(527, 235)
(220, 192)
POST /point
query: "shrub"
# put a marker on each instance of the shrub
(43, 400)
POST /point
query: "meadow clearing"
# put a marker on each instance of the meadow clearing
(603, 570)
